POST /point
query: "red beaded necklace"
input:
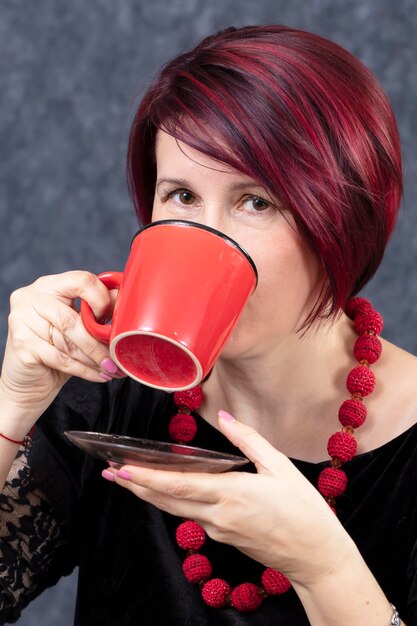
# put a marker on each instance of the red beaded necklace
(332, 480)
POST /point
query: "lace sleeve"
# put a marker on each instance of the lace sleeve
(29, 538)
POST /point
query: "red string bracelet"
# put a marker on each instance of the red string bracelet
(12, 440)
(25, 442)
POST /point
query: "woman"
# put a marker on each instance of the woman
(285, 142)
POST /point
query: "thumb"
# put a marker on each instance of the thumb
(255, 447)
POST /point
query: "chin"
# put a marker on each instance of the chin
(238, 346)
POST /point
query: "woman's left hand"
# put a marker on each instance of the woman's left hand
(274, 516)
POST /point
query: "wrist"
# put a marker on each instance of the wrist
(327, 598)
(331, 551)
(19, 442)
(15, 421)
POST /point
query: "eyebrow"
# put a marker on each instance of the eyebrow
(182, 182)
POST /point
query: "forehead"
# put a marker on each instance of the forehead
(180, 164)
(171, 153)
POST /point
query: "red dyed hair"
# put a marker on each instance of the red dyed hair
(304, 118)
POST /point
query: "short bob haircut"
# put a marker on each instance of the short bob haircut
(304, 118)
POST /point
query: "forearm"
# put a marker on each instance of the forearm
(348, 596)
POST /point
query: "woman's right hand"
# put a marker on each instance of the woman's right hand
(34, 369)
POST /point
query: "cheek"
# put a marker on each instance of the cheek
(293, 268)
(157, 212)
(290, 281)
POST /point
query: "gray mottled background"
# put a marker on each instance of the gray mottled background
(71, 74)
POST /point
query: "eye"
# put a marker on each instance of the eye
(182, 196)
(256, 203)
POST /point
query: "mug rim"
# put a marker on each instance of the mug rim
(210, 229)
(178, 344)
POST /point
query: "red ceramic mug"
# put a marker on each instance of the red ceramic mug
(181, 293)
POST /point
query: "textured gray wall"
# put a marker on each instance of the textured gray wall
(71, 73)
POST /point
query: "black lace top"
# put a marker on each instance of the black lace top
(57, 512)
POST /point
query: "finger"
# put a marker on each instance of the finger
(195, 509)
(62, 362)
(32, 350)
(198, 511)
(197, 487)
(256, 448)
(69, 324)
(64, 344)
(69, 286)
(51, 335)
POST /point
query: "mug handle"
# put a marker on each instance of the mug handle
(101, 332)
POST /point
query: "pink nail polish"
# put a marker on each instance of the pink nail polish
(124, 475)
(226, 416)
(109, 365)
(105, 376)
(108, 475)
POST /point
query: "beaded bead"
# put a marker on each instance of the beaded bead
(182, 427)
(369, 322)
(332, 482)
(215, 593)
(197, 568)
(190, 535)
(361, 380)
(274, 582)
(342, 446)
(246, 597)
(355, 305)
(191, 399)
(352, 413)
(367, 347)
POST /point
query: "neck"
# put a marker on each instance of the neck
(290, 395)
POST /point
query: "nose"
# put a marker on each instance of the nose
(214, 212)
(215, 216)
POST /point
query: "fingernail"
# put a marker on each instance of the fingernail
(109, 365)
(105, 376)
(108, 475)
(226, 416)
(124, 475)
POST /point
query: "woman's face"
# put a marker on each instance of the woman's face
(192, 186)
